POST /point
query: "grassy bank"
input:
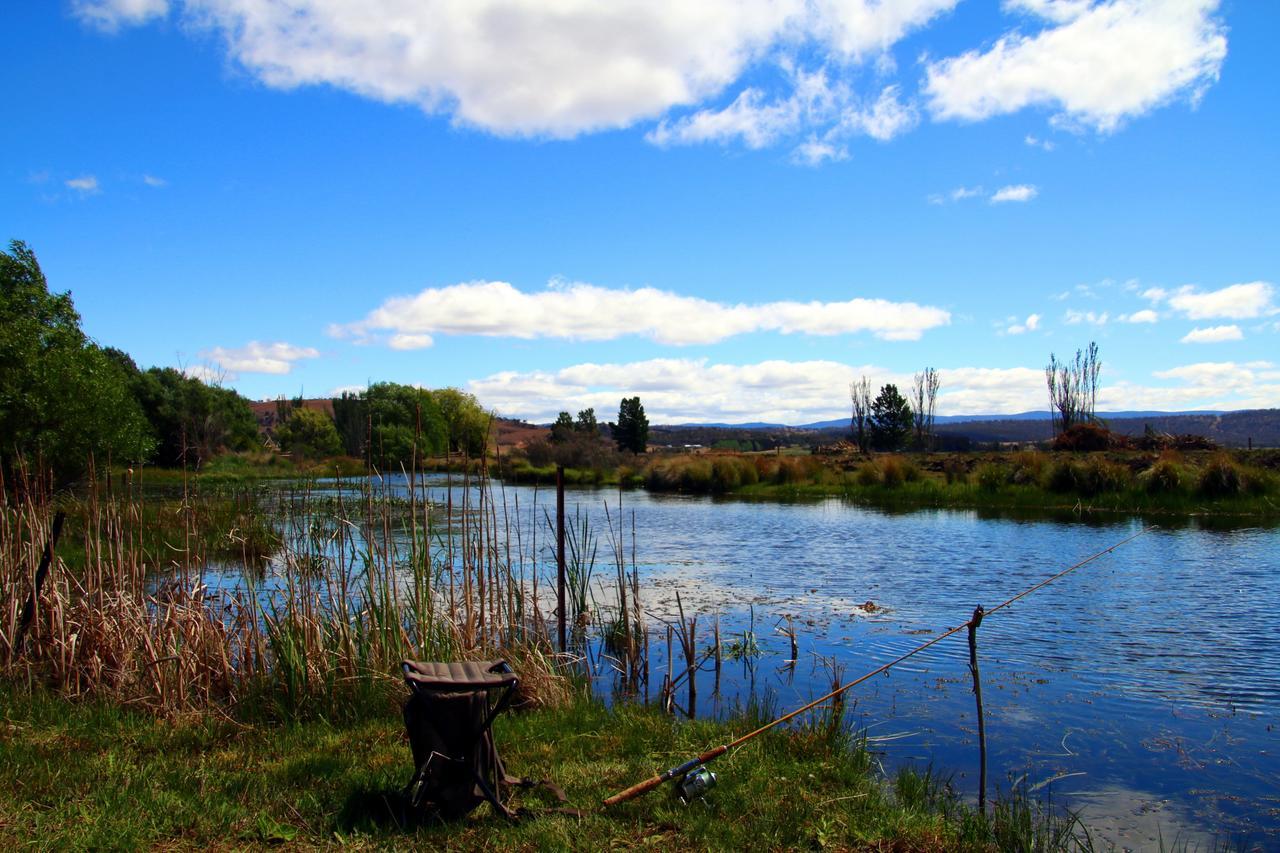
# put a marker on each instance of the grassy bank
(90, 775)
(1219, 483)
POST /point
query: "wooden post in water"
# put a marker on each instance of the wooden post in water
(978, 613)
(560, 579)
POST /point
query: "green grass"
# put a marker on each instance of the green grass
(76, 776)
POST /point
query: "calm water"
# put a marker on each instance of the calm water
(1143, 689)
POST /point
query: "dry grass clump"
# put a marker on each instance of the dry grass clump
(1221, 477)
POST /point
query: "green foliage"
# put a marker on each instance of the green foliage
(466, 423)
(193, 421)
(631, 432)
(562, 430)
(586, 422)
(309, 434)
(1165, 477)
(62, 397)
(391, 425)
(1220, 477)
(991, 476)
(891, 419)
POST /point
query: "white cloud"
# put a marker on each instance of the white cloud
(255, 357)
(208, 374)
(815, 152)
(1035, 142)
(579, 311)
(1100, 65)
(110, 15)
(153, 181)
(85, 185)
(957, 194)
(1146, 315)
(347, 389)
(1212, 335)
(1029, 325)
(1059, 11)
(695, 390)
(1014, 192)
(1236, 302)
(1093, 318)
(688, 390)
(814, 103)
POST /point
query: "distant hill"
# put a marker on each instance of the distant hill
(950, 419)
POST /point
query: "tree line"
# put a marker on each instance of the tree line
(64, 399)
(889, 420)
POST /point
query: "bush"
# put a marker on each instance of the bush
(1065, 476)
(955, 471)
(725, 476)
(868, 474)
(1083, 438)
(991, 476)
(1028, 466)
(1164, 477)
(894, 471)
(1220, 477)
(1102, 475)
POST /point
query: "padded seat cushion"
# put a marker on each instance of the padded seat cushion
(458, 675)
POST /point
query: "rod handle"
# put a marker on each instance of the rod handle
(635, 790)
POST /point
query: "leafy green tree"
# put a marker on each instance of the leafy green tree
(562, 430)
(62, 397)
(193, 421)
(466, 422)
(891, 419)
(404, 424)
(587, 423)
(309, 434)
(631, 432)
(350, 418)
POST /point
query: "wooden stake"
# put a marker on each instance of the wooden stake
(978, 613)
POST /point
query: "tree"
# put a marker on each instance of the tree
(587, 422)
(859, 423)
(193, 421)
(309, 434)
(466, 422)
(631, 432)
(924, 394)
(562, 430)
(62, 397)
(891, 419)
(1073, 388)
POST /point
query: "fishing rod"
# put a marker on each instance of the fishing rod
(690, 767)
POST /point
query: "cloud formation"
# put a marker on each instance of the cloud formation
(1236, 302)
(1028, 325)
(254, 357)
(799, 392)
(587, 312)
(1213, 335)
(1096, 65)
(819, 70)
(1014, 192)
(85, 185)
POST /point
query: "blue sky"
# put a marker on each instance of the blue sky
(728, 208)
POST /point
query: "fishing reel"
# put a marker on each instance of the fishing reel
(694, 784)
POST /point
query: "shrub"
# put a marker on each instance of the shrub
(1164, 477)
(1220, 477)
(955, 471)
(1088, 437)
(1028, 466)
(1065, 476)
(991, 476)
(868, 474)
(894, 471)
(1102, 475)
(724, 475)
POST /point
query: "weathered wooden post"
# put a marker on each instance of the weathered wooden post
(978, 613)
(560, 604)
(46, 560)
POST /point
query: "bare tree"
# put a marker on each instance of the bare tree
(924, 397)
(1073, 388)
(860, 394)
